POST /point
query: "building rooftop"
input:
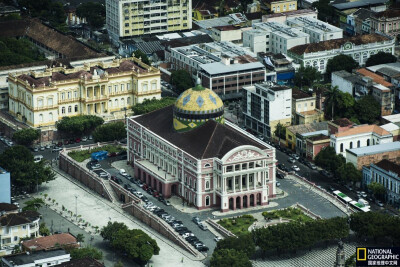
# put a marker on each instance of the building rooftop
(220, 68)
(393, 66)
(231, 19)
(47, 242)
(388, 13)
(288, 14)
(391, 72)
(337, 43)
(280, 29)
(380, 87)
(395, 118)
(85, 262)
(209, 140)
(3, 170)
(227, 28)
(299, 94)
(363, 13)
(319, 137)
(7, 207)
(316, 133)
(376, 149)
(308, 128)
(389, 166)
(343, 122)
(356, 4)
(363, 129)
(390, 127)
(29, 258)
(312, 24)
(375, 77)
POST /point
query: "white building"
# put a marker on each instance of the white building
(130, 18)
(228, 33)
(41, 258)
(317, 29)
(282, 17)
(359, 136)
(264, 105)
(359, 47)
(279, 38)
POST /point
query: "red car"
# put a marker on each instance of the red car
(145, 187)
(156, 194)
(66, 142)
(77, 140)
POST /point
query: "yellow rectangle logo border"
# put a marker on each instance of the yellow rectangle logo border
(358, 254)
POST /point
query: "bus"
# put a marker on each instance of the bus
(359, 206)
(344, 198)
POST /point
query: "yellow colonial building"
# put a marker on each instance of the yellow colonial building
(107, 90)
(281, 5)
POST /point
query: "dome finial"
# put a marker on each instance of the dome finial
(198, 86)
(198, 81)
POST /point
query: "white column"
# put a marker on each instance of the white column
(240, 182)
(234, 184)
(247, 182)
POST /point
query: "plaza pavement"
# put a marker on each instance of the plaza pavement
(98, 212)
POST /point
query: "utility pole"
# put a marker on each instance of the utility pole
(76, 207)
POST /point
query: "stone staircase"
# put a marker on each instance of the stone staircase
(113, 195)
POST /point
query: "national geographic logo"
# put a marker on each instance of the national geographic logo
(378, 256)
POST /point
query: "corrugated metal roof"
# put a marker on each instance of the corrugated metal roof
(356, 4)
(219, 67)
(369, 150)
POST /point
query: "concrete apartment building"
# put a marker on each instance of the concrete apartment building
(317, 29)
(264, 105)
(105, 89)
(281, 6)
(365, 156)
(15, 226)
(173, 150)
(304, 109)
(228, 33)
(387, 174)
(41, 258)
(360, 48)
(282, 17)
(5, 186)
(130, 18)
(277, 37)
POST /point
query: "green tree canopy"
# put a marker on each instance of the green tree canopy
(26, 136)
(378, 190)
(109, 132)
(181, 80)
(43, 230)
(48, 10)
(25, 173)
(340, 62)
(326, 12)
(368, 109)
(380, 58)
(228, 258)
(143, 56)
(280, 131)
(34, 204)
(332, 100)
(78, 125)
(307, 76)
(85, 252)
(95, 13)
(18, 51)
(150, 105)
(135, 243)
(328, 159)
(244, 244)
(348, 173)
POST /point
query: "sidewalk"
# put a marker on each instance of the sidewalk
(98, 212)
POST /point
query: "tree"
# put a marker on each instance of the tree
(340, 62)
(307, 76)
(244, 244)
(348, 173)
(149, 105)
(85, 252)
(368, 109)
(351, 262)
(95, 13)
(48, 10)
(78, 125)
(378, 190)
(143, 56)
(328, 159)
(280, 131)
(108, 232)
(80, 238)
(325, 11)
(109, 132)
(181, 80)
(34, 204)
(25, 173)
(19, 51)
(380, 58)
(26, 136)
(43, 230)
(332, 100)
(119, 264)
(229, 257)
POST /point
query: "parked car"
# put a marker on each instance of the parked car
(202, 248)
(36, 149)
(278, 184)
(90, 137)
(96, 166)
(41, 148)
(202, 226)
(312, 166)
(326, 173)
(138, 194)
(217, 238)
(291, 160)
(295, 156)
(123, 172)
(47, 146)
(295, 168)
(84, 139)
(77, 140)
(279, 175)
(37, 158)
(56, 149)
(103, 175)
(379, 203)
(145, 199)
(156, 194)
(196, 220)
(166, 202)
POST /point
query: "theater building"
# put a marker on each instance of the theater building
(189, 150)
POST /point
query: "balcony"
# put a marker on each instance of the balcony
(63, 101)
(125, 92)
(45, 107)
(96, 98)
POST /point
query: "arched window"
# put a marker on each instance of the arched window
(40, 102)
(50, 116)
(50, 102)
(110, 103)
(153, 86)
(116, 103)
(351, 145)
(69, 109)
(341, 147)
(373, 141)
(207, 165)
(207, 200)
(207, 185)
(128, 101)
(358, 143)
(40, 117)
(368, 142)
(76, 108)
(63, 110)
(122, 102)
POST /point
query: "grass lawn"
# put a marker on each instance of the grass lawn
(294, 214)
(85, 154)
(238, 225)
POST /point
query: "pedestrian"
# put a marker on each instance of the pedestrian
(68, 229)
(182, 260)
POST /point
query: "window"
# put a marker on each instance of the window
(110, 103)
(229, 168)
(341, 147)
(40, 102)
(50, 116)
(49, 102)
(358, 143)
(368, 142)
(122, 87)
(75, 94)
(153, 86)
(115, 88)
(207, 200)
(128, 101)
(69, 109)
(116, 103)
(76, 108)
(40, 117)
(207, 185)
(109, 89)
(122, 101)
(144, 86)
(69, 95)
(63, 110)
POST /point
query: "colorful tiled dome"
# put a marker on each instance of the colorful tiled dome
(195, 106)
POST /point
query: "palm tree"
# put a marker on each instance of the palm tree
(33, 204)
(332, 97)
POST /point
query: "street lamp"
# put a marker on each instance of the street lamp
(76, 207)
(125, 113)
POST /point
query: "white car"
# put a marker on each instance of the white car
(217, 238)
(123, 172)
(37, 158)
(138, 194)
(84, 139)
(295, 168)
